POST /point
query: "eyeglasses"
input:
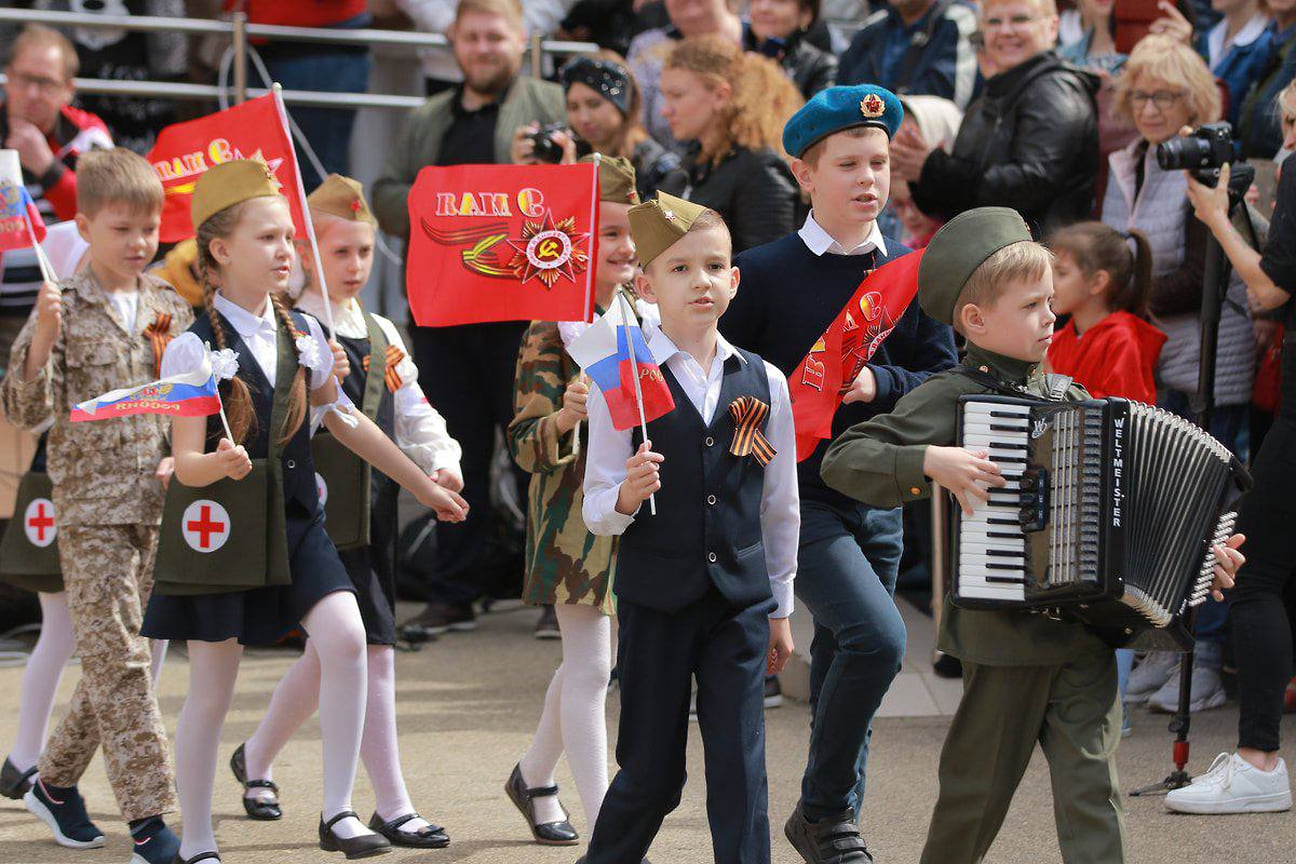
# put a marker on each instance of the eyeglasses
(1162, 99)
(1016, 22)
(46, 86)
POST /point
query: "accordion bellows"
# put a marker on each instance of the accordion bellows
(1109, 513)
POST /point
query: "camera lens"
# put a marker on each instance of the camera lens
(1183, 153)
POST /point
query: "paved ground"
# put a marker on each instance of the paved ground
(469, 702)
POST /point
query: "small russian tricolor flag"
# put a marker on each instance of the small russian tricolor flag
(17, 209)
(189, 395)
(604, 353)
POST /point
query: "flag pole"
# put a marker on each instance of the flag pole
(634, 373)
(305, 210)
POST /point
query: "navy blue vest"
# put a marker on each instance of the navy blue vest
(707, 530)
(298, 468)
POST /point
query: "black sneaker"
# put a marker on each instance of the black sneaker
(547, 626)
(155, 843)
(835, 840)
(438, 618)
(14, 783)
(773, 692)
(63, 810)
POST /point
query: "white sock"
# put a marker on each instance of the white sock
(158, 652)
(337, 630)
(573, 717)
(41, 679)
(294, 700)
(379, 749)
(213, 669)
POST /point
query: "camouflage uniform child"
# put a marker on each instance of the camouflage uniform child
(567, 566)
(102, 329)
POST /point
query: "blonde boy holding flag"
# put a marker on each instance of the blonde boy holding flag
(102, 329)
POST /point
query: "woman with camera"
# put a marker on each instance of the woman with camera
(1163, 87)
(730, 106)
(603, 105)
(1254, 778)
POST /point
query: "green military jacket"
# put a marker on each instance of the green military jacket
(880, 462)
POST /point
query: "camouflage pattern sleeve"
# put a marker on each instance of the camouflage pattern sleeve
(29, 404)
(543, 372)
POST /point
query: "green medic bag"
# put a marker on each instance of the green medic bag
(29, 556)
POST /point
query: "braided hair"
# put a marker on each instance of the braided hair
(238, 398)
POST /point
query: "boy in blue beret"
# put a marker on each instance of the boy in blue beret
(849, 553)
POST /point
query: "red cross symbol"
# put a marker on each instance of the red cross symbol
(204, 527)
(40, 521)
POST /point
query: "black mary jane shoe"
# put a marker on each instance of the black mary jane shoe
(559, 833)
(428, 837)
(353, 847)
(14, 783)
(201, 856)
(259, 808)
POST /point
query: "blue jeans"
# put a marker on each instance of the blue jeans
(327, 129)
(1229, 425)
(846, 573)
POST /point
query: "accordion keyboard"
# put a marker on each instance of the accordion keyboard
(992, 541)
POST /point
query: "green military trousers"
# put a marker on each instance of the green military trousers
(1073, 712)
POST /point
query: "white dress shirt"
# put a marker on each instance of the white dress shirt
(420, 430)
(780, 501)
(820, 242)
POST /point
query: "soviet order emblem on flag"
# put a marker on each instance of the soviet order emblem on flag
(502, 243)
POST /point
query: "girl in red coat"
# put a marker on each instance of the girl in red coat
(1101, 278)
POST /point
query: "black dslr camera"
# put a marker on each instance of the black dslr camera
(546, 148)
(1202, 152)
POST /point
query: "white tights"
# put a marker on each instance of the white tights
(294, 701)
(573, 717)
(45, 664)
(337, 629)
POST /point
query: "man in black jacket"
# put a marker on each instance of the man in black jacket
(1029, 142)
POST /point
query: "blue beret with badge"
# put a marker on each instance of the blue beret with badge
(837, 108)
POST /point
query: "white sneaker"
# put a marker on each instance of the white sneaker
(1234, 785)
(1207, 691)
(1150, 675)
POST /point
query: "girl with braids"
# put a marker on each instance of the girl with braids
(383, 381)
(284, 371)
(1101, 278)
(730, 106)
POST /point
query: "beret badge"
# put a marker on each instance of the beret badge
(872, 106)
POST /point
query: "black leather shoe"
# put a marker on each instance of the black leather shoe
(14, 783)
(201, 856)
(427, 837)
(354, 847)
(834, 840)
(258, 808)
(546, 833)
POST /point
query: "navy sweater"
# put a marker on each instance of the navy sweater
(787, 298)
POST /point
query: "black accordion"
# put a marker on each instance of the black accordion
(1109, 514)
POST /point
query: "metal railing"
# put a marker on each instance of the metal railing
(239, 32)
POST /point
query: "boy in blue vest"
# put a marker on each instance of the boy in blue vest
(849, 556)
(704, 587)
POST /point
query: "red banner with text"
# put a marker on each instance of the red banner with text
(502, 243)
(184, 151)
(837, 358)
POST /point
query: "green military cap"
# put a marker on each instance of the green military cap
(657, 224)
(341, 197)
(231, 183)
(616, 179)
(958, 249)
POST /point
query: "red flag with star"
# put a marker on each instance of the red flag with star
(184, 151)
(502, 243)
